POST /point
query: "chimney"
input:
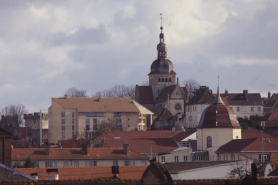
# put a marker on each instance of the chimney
(47, 149)
(226, 92)
(269, 94)
(126, 150)
(66, 96)
(50, 175)
(99, 99)
(115, 171)
(35, 175)
(245, 92)
(178, 80)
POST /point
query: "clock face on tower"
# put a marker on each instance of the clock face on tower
(178, 106)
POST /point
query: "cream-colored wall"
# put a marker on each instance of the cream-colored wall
(54, 113)
(220, 136)
(82, 163)
(170, 158)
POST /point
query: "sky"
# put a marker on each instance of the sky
(49, 46)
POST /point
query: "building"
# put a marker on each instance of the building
(243, 104)
(5, 147)
(77, 157)
(33, 120)
(163, 90)
(80, 117)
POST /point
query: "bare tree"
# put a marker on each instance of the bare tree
(240, 169)
(16, 112)
(117, 91)
(193, 86)
(73, 92)
(145, 83)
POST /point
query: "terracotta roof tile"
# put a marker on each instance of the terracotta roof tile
(247, 145)
(72, 143)
(139, 141)
(253, 133)
(94, 105)
(74, 153)
(95, 172)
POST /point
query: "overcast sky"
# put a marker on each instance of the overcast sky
(47, 47)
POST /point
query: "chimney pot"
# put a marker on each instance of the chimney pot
(66, 96)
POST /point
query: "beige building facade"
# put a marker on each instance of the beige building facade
(33, 120)
(80, 117)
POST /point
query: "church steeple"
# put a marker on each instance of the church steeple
(161, 47)
(218, 99)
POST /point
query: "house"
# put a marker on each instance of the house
(243, 104)
(81, 117)
(155, 144)
(5, 147)
(163, 91)
(77, 157)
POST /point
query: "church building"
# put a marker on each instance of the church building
(163, 94)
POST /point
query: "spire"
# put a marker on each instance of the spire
(161, 47)
(218, 99)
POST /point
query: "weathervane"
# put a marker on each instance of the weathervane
(161, 18)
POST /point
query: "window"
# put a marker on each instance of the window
(252, 109)
(131, 163)
(262, 158)
(72, 121)
(115, 163)
(63, 121)
(63, 134)
(159, 80)
(166, 79)
(63, 128)
(170, 80)
(259, 109)
(72, 114)
(76, 163)
(72, 134)
(63, 114)
(65, 164)
(237, 109)
(126, 163)
(176, 159)
(87, 124)
(72, 127)
(51, 164)
(185, 144)
(162, 80)
(209, 142)
(90, 114)
(163, 159)
(91, 163)
(184, 158)
(117, 114)
(143, 163)
(95, 124)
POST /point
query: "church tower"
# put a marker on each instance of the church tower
(162, 70)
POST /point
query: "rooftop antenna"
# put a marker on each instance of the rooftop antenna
(161, 18)
(218, 99)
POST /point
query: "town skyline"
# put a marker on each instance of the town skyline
(48, 47)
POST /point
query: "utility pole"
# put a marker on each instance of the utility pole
(151, 150)
(40, 127)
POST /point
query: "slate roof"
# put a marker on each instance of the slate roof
(93, 172)
(145, 95)
(270, 117)
(269, 103)
(247, 145)
(4, 133)
(163, 96)
(175, 168)
(94, 105)
(204, 96)
(73, 153)
(139, 141)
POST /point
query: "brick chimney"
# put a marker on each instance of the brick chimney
(269, 94)
(115, 171)
(35, 175)
(226, 92)
(245, 92)
(85, 149)
(126, 149)
(66, 96)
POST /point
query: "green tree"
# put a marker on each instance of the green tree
(243, 125)
(29, 163)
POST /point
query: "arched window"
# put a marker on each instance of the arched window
(166, 79)
(170, 80)
(209, 142)
(159, 80)
(162, 80)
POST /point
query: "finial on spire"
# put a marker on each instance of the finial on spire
(161, 27)
(218, 99)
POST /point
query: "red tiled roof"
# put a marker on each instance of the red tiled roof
(139, 141)
(146, 95)
(253, 133)
(75, 173)
(246, 145)
(74, 153)
(165, 115)
(72, 143)
(185, 134)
